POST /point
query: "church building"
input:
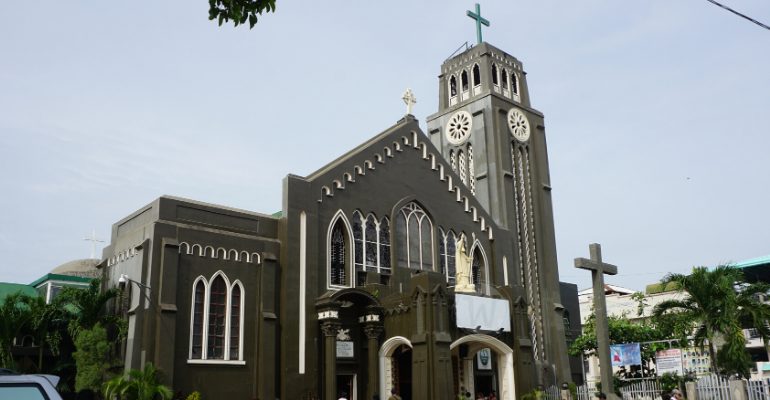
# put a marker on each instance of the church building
(420, 261)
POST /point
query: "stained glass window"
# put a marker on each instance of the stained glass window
(219, 337)
(338, 256)
(217, 318)
(197, 323)
(414, 235)
(384, 246)
(235, 322)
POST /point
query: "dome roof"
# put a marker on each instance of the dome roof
(85, 268)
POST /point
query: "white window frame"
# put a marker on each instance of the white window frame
(350, 254)
(419, 229)
(228, 316)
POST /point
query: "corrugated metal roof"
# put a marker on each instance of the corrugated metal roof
(7, 289)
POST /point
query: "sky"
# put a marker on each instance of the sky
(656, 115)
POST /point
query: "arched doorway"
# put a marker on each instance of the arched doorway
(500, 376)
(351, 322)
(396, 367)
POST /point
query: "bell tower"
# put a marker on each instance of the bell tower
(495, 142)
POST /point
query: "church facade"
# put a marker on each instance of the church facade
(359, 285)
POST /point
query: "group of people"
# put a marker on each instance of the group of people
(466, 395)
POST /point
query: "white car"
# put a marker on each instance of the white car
(29, 387)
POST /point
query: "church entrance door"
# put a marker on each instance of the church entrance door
(402, 365)
(396, 367)
(347, 386)
(483, 364)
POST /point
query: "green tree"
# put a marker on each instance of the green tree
(14, 316)
(138, 385)
(87, 307)
(239, 11)
(91, 358)
(621, 330)
(47, 324)
(720, 303)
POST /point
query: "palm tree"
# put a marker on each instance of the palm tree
(138, 385)
(87, 306)
(14, 316)
(47, 323)
(721, 303)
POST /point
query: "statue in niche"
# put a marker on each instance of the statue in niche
(463, 282)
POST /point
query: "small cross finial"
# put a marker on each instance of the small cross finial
(409, 100)
(93, 241)
(479, 21)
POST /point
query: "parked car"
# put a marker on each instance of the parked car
(28, 387)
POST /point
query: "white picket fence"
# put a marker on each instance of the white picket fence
(710, 387)
(759, 389)
(642, 390)
(713, 387)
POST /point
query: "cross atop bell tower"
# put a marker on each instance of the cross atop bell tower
(479, 21)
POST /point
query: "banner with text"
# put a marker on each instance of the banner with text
(669, 361)
(625, 354)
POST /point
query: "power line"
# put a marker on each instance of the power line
(739, 14)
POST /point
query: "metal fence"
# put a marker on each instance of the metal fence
(713, 387)
(759, 389)
(647, 389)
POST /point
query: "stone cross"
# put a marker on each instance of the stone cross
(598, 269)
(479, 21)
(410, 100)
(93, 241)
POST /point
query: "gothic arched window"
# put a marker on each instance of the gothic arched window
(337, 262)
(199, 298)
(452, 86)
(495, 80)
(476, 75)
(372, 243)
(217, 318)
(384, 246)
(479, 270)
(514, 83)
(414, 232)
(461, 167)
(464, 80)
(504, 79)
(216, 326)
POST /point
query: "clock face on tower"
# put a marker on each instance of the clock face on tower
(518, 125)
(458, 129)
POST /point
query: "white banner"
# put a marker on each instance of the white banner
(482, 312)
(669, 361)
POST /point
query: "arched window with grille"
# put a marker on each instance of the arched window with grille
(216, 324)
(414, 232)
(338, 264)
(479, 269)
(384, 246)
(461, 167)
